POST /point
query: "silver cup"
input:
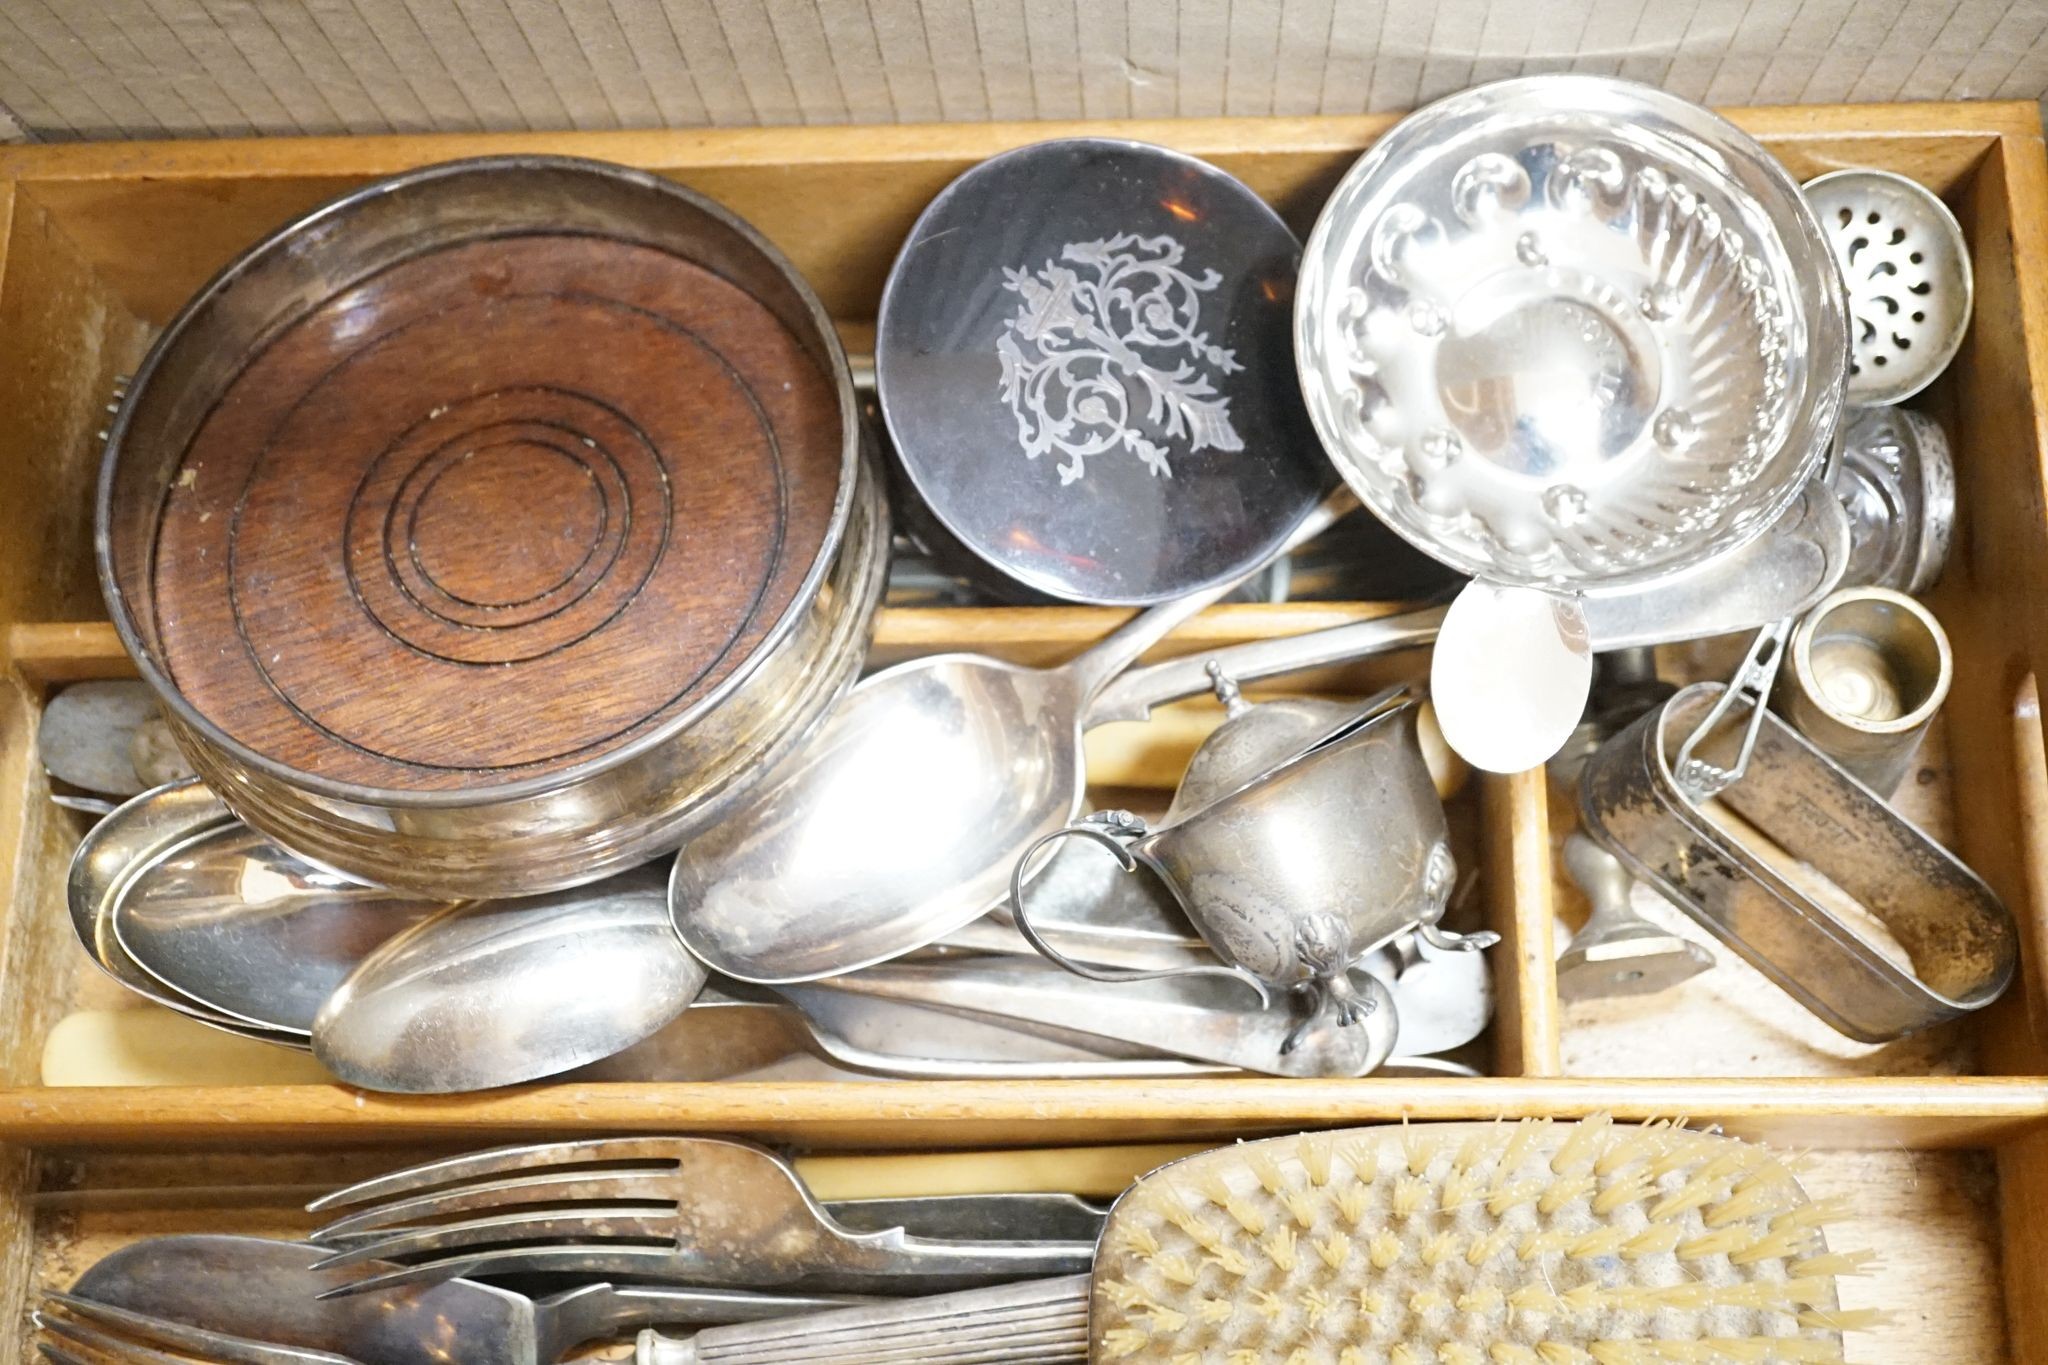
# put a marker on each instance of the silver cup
(1870, 667)
(1297, 871)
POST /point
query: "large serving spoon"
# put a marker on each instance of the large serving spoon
(901, 819)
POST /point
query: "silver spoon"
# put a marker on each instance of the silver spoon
(1786, 570)
(106, 866)
(1510, 674)
(109, 736)
(901, 819)
(491, 993)
(244, 927)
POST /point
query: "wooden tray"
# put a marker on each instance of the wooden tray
(1944, 1141)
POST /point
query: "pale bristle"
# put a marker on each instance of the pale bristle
(1364, 1160)
(1489, 1244)
(1418, 1149)
(1266, 1166)
(1529, 1133)
(1532, 1243)
(1780, 1245)
(1506, 1198)
(1581, 1145)
(1723, 1242)
(1302, 1205)
(1631, 1188)
(1655, 1240)
(1317, 1158)
(1460, 1187)
(1844, 1319)
(1476, 1151)
(1564, 1190)
(1716, 1351)
(1484, 1300)
(1836, 1263)
(1626, 1146)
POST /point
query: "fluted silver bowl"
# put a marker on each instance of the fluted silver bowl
(1569, 332)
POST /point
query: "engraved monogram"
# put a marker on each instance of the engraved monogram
(1113, 327)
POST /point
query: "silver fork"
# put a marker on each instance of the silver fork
(706, 1211)
(89, 1333)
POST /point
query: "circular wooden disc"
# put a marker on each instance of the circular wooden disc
(493, 512)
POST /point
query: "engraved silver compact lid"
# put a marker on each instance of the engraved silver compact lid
(1085, 363)
(1565, 332)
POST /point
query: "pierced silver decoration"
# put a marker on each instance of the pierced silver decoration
(1907, 267)
(1617, 304)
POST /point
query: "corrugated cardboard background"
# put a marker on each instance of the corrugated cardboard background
(194, 68)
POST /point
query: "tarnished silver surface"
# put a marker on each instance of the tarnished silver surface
(492, 993)
(1444, 997)
(1201, 1018)
(1958, 936)
(107, 735)
(1706, 774)
(1788, 569)
(1616, 951)
(257, 1288)
(1869, 668)
(1081, 893)
(1897, 483)
(1783, 572)
(1275, 878)
(723, 1037)
(900, 819)
(105, 865)
(231, 920)
(869, 1032)
(75, 1331)
(1133, 695)
(1566, 330)
(584, 822)
(1034, 1322)
(1907, 266)
(679, 1210)
(1254, 740)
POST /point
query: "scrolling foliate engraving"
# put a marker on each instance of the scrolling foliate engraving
(1109, 330)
